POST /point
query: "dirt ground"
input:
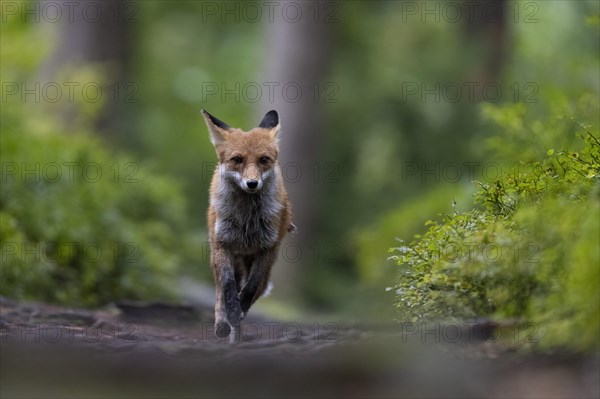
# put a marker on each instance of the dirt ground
(155, 350)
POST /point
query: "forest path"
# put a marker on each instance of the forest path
(161, 350)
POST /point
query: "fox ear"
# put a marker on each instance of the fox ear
(271, 122)
(216, 127)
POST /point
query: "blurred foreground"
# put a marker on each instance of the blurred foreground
(157, 350)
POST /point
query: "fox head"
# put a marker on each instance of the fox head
(246, 159)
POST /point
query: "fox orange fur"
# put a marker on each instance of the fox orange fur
(248, 215)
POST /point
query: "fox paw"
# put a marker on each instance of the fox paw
(222, 329)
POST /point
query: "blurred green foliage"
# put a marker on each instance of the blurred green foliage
(500, 135)
(80, 222)
(83, 227)
(531, 252)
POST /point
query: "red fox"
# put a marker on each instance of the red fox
(248, 215)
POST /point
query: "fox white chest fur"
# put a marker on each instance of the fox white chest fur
(246, 223)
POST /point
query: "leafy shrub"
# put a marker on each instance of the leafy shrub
(406, 219)
(79, 225)
(528, 251)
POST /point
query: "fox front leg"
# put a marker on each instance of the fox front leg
(258, 278)
(228, 313)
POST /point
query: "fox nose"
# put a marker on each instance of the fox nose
(252, 184)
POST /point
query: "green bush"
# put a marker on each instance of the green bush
(528, 250)
(80, 223)
(82, 226)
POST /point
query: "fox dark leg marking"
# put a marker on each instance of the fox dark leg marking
(227, 308)
(258, 278)
(241, 272)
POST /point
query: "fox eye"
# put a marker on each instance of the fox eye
(264, 160)
(237, 159)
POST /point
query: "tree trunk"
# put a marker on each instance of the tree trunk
(490, 32)
(297, 56)
(95, 32)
